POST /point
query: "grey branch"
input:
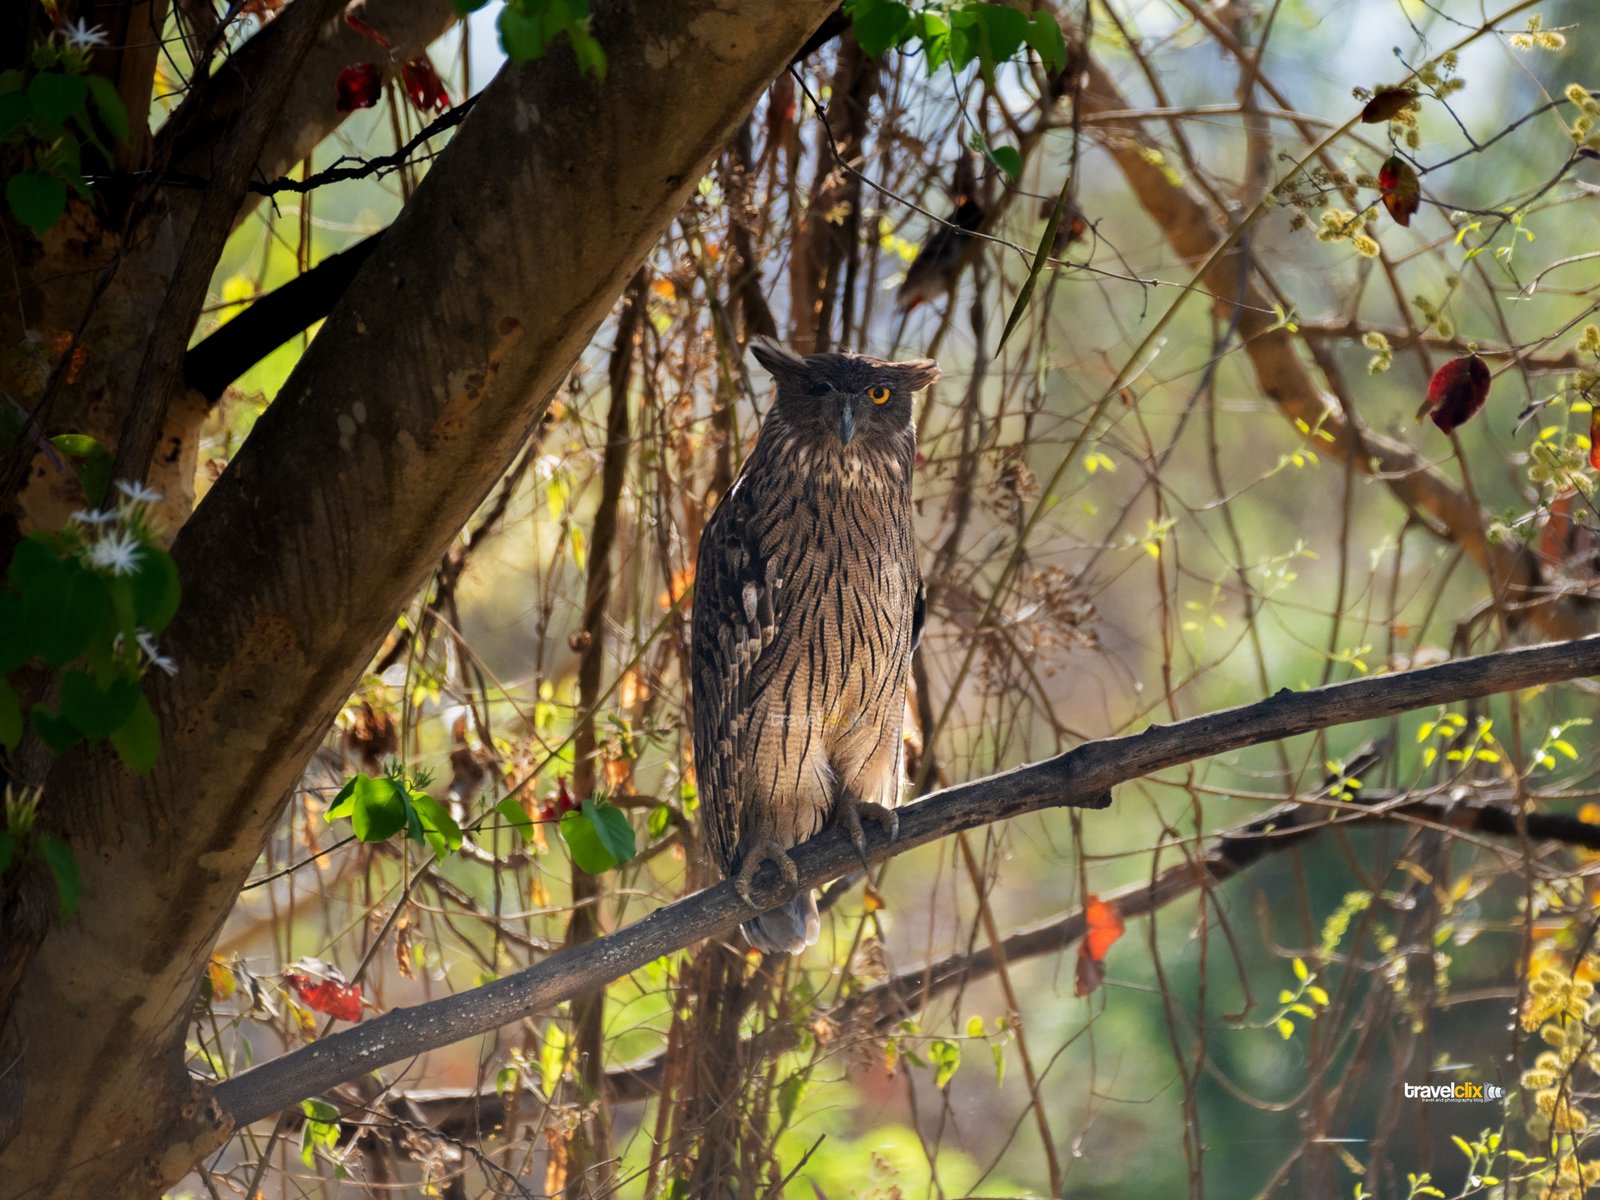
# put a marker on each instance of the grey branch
(1080, 778)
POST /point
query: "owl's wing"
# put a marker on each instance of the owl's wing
(734, 622)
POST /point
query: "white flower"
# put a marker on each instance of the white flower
(161, 662)
(116, 552)
(137, 493)
(97, 516)
(81, 35)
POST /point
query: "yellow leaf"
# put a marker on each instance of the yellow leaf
(222, 980)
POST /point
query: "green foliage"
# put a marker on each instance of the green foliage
(320, 1130)
(380, 808)
(49, 112)
(598, 836)
(519, 820)
(528, 28)
(88, 602)
(959, 33)
(21, 842)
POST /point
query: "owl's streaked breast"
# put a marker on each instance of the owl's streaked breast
(844, 552)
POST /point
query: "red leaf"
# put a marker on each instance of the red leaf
(366, 30)
(1457, 391)
(358, 86)
(1399, 188)
(1103, 926)
(565, 801)
(1387, 103)
(331, 996)
(423, 86)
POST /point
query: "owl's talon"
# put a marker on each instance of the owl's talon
(768, 850)
(851, 809)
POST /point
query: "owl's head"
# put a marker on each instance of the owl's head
(850, 397)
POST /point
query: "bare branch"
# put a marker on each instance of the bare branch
(1081, 778)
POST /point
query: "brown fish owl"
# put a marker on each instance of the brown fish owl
(808, 602)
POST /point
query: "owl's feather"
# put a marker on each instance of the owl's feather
(807, 606)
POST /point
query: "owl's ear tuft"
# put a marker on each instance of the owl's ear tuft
(918, 373)
(780, 361)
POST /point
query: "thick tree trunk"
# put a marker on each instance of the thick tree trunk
(412, 400)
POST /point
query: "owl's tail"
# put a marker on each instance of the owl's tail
(786, 930)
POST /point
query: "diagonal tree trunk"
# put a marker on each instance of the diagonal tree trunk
(413, 399)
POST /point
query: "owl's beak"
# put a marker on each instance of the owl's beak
(847, 422)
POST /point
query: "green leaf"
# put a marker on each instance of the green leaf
(439, 828)
(156, 589)
(591, 56)
(56, 97)
(63, 606)
(880, 25)
(1044, 35)
(1006, 28)
(946, 1056)
(33, 559)
(588, 852)
(64, 869)
(1040, 257)
(14, 110)
(10, 716)
(320, 1110)
(377, 808)
(109, 105)
(1008, 159)
(36, 199)
(54, 730)
(934, 33)
(614, 828)
(91, 461)
(519, 820)
(138, 741)
(520, 35)
(790, 1092)
(97, 711)
(657, 822)
(552, 1057)
(966, 36)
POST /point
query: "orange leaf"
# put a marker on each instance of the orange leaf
(1103, 926)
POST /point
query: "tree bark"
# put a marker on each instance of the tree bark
(407, 407)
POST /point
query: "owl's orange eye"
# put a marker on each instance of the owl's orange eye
(878, 395)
